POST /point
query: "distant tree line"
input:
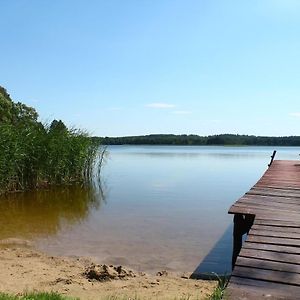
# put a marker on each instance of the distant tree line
(196, 140)
(33, 154)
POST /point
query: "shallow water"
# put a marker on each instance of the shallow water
(160, 207)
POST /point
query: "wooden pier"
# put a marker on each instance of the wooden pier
(267, 264)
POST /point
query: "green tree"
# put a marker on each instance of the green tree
(5, 107)
(23, 114)
(57, 126)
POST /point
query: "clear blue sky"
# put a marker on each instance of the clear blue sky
(132, 67)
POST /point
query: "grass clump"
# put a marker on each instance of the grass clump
(218, 293)
(35, 296)
(34, 155)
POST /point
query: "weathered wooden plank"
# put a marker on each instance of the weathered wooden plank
(282, 178)
(283, 191)
(271, 208)
(268, 203)
(279, 181)
(281, 173)
(273, 240)
(234, 209)
(290, 223)
(276, 228)
(268, 199)
(279, 184)
(275, 287)
(273, 233)
(267, 275)
(287, 175)
(272, 193)
(294, 187)
(270, 255)
(283, 170)
(250, 289)
(267, 265)
(279, 217)
(270, 247)
(240, 208)
(260, 184)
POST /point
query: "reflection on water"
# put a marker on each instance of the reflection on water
(44, 212)
(166, 207)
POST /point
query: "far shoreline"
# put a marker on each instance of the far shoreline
(182, 145)
(231, 140)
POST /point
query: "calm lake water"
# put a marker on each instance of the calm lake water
(161, 207)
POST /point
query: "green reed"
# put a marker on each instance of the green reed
(34, 155)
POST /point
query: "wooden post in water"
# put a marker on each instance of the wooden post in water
(241, 225)
(272, 158)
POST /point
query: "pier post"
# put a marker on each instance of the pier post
(241, 225)
(272, 158)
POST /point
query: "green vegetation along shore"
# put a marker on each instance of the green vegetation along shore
(33, 154)
(35, 296)
(222, 139)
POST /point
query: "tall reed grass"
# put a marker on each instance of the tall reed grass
(34, 155)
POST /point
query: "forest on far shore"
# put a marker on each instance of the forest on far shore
(196, 140)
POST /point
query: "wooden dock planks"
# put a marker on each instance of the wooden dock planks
(268, 265)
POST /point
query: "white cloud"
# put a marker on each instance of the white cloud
(160, 105)
(295, 114)
(181, 112)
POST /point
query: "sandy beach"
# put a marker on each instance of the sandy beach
(23, 269)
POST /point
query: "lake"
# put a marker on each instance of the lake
(159, 208)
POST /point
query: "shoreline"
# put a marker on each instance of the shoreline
(24, 269)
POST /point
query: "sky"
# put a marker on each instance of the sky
(134, 67)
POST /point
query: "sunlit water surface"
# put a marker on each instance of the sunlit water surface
(161, 207)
